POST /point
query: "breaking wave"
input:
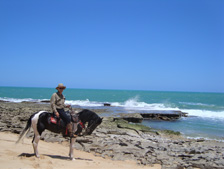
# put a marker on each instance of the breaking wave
(131, 104)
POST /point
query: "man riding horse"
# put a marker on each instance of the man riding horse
(58, 105)
(41, 120)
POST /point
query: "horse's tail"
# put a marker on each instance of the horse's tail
(26, 129)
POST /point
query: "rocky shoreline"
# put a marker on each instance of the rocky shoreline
(119, 140)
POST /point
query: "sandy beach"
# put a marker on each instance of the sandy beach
(53, 156)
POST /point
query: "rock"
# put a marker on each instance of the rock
(132, 126)
(166, 115)
(184, 114)
(107, 104)
(119, 139)
(3, 101)
(132, 117)
(171, 132)
(200, 140)
(2, 125)
(45, 101)
(219, 162)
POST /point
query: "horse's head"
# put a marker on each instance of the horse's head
(92, 125)
(86, 116)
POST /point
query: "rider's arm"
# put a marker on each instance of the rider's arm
(53, 105)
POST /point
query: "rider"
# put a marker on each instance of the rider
(58, 105)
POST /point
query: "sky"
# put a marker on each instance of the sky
(159, 45)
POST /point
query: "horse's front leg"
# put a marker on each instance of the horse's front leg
(72, 141)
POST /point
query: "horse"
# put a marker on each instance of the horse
(42, 120)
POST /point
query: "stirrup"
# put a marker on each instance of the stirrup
(73, 136)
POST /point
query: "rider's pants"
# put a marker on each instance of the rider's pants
(63, 116)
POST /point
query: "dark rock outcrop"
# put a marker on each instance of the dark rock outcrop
(167, 115)
(107, 104)
(132, 117)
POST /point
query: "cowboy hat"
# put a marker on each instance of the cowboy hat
(60, 85)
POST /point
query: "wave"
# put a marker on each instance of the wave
(15, 100)
(131, 104)
(135, 104)
(205, 113)
(196, 104)
(84, 103)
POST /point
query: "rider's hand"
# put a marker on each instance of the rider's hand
(57, 114)
(68, 106)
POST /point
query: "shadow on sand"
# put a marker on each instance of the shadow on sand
(66, 158)
(53, 156)
(26, 155)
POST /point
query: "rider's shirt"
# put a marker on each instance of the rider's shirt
(57, 101)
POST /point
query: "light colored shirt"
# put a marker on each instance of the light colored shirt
(57, 102)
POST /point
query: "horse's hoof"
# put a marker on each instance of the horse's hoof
(37, 155)
(72, 159)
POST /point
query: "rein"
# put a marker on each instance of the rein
(91, 125)
(88, 128)
(78, 121)
(81, 123)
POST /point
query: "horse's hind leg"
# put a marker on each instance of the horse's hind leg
(36, 137)
(38, 128)
(72, 141)
(35, 141)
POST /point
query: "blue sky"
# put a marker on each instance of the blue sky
(175, 45)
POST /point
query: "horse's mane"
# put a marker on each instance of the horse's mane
(88, 114)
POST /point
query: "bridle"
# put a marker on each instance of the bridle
(92, 124)
(81, 123)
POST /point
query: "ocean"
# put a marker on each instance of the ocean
(205, 110)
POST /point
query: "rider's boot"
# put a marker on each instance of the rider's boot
(69, 127)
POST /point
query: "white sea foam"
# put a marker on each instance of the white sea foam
(133, 103)
(130, 104)
(84, 103)
(205, 113)
(17, 100)
(196, 104)
(202, 105)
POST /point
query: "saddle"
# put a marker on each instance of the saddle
(61, 124)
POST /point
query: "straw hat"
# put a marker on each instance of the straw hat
(60, 85)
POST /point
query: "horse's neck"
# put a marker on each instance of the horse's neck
(84, 119)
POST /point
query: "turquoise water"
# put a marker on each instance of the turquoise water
(206, 109)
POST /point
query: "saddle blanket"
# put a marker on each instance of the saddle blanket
(53, 120)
